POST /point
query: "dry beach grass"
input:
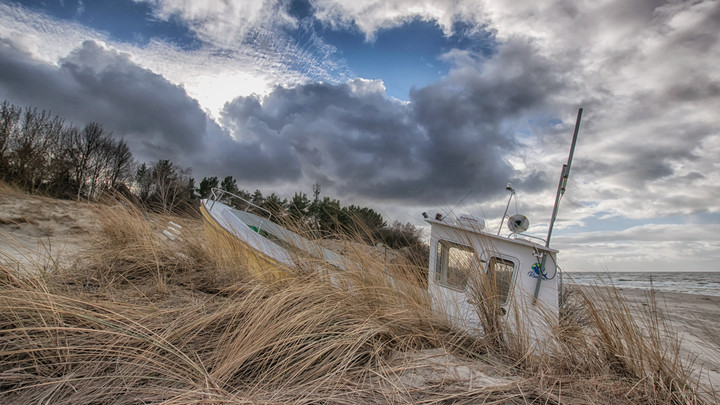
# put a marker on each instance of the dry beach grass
(125, 315)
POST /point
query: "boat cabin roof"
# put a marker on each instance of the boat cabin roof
(475, 228)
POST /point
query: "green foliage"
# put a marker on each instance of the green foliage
(364, 220)
(275, 205)
(299, 207)
(331, 218)
(399, 235)
(241, 203)
(257, 200)
(228, 184)
(206, 186)
(143, 180)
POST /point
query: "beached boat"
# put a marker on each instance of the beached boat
(268, 242)
(464, 259)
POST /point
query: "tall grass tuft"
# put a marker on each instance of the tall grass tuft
(609, 335)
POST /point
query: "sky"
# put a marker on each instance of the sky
(410, 106)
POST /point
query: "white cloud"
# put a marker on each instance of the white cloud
(364, 87)
(645, 73)
(370, 16)
(210, 75)
(224, 23)
(40, 36)
(211, 78)
(686, 247)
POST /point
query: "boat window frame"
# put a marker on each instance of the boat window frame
(488, 259)
(441, 277)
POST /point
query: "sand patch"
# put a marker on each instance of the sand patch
(40, 231)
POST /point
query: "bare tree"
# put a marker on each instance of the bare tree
(39, 151)
(59, 182)
(9, 129)
(170, 185)
(98, 165)
(121, 165)
(31, 148)
(85, 145)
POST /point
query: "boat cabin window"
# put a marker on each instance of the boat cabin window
(453, 265)
(501, 272)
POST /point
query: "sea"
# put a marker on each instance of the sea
(693, 282)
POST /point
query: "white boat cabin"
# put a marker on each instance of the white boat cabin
(461, 253)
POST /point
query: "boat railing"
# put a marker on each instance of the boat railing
(217, 193)
(527, 237)
(524, 235)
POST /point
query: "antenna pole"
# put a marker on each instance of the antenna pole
(512, 193)
(564, 174)
(562, 184)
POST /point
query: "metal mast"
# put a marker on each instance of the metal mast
(564, 174)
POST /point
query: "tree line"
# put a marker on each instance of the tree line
(327, 215)
(41, 153)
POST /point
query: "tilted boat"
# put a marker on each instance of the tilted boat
(268, 242)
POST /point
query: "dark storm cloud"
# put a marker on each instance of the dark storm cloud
(355, 140)
(471, 114)
(157, 118)
(452, 137)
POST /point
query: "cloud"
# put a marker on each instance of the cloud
(648, 233)
(214, 71)
(350, 136)
(652, 247)
(262, 32)
(223, 23)
(156, 117)
(451, 137)
(371, 16)
(39, 36)
(92, 83)
(645, 72)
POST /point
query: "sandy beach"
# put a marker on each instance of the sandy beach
(38, 230)
(696, 320)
